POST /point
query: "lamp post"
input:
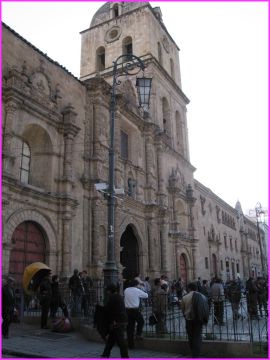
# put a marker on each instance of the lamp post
(122, 66)
(259, 211)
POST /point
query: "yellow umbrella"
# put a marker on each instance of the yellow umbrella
(32, 276)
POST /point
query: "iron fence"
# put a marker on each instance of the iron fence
(238, 328)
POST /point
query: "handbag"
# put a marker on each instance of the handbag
(152, 320)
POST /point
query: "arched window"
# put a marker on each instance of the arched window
(179, 133)
(37, 158)
(127, 48)
(115, 11)
(100, 58)
(160, 54)
(172, 68)
(166, 116)
(25, 163)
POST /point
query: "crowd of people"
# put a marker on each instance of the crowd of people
(123, 314)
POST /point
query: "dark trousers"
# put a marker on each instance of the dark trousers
(218, 311)
(116, 335)
(6, 315)
(44, 314)
(134, 316)
(194, 332)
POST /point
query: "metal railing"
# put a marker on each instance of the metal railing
(240, 328)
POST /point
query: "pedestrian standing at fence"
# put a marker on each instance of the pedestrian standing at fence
(45, 297)
(87, 284)
(8, 304)
(234, 296)
(217, 295)
(116, 316)
(132, 297)
(252, 298)
(159, 306)
(262, 295)
(57, 300)
(76, 289)
(195, 309)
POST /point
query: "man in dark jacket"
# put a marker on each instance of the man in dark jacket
(191, 311)
(116, 316)
(8, 304)
(252, 298)
(76, 288)
(234, 296)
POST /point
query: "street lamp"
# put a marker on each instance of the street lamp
(121, 67)
(259, 211)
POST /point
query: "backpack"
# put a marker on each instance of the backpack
(200, 307)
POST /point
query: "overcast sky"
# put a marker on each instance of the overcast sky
(224, 67)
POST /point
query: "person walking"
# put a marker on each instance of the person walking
(159, 306)
(45, 297)
(193, 305)
(57, 300)
(217, 296)
(132, 297)
(116, 316)
(8, 304)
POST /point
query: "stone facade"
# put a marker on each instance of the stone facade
(62, 125)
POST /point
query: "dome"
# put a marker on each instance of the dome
(104, 12)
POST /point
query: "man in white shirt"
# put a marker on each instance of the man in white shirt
(132, 297)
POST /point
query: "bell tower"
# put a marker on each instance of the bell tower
(136, 28)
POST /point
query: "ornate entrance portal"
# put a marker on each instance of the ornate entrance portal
(129, 256)
(28, 247)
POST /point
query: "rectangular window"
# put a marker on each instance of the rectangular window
(221, 265)
(124, 145)
(237, 268)
(206, 262)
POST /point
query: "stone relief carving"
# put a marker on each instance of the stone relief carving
(202, 198)
(176, 179)
(40, 83)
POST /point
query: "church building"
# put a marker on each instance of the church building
(55, 150)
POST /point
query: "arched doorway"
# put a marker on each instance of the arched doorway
(214, 264)
(183, 269)
(28, 246)
(129, 256)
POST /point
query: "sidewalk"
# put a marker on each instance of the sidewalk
(29, 341)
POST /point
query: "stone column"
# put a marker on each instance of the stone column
(161, 181)
(66, 246)
(194, 255)
(164, 229)
(151, 245)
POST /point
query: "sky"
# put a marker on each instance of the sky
(224, 70)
